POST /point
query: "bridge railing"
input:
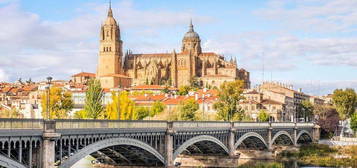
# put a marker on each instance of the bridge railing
(283, 124)
(11, 123)
(82, 124)
(251, 124)
(304, 124)
(200, 124)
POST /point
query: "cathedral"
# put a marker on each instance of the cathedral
(176, 69)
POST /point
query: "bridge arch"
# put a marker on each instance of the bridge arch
(301, 133)
(247, 135)
(108, 143)
(196, 139)
(8, 162)
(280, 133)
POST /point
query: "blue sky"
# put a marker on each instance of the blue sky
(308, 43)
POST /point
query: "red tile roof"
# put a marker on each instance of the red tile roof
(84, 74)
(175, 101)
(148, 97)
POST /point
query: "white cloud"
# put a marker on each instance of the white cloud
(34, 47)
(318, 16)
(3, 76)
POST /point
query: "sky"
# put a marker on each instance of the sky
(311, 44)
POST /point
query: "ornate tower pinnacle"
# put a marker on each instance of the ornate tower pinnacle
(110, 12)
(191, 26)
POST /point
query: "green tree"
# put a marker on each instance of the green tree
(10, 113)
(61, 103)
(81, 114)
(188, 110)
(157, 108)
(141, 112)
(230, 93)
(263, 116)
(306, 108)
(93, 101)
(354, 122)
(345, 102)
(183, 90)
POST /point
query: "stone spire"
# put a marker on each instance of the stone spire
(191, 26)
(110, 12)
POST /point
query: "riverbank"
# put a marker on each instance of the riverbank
(322, 155)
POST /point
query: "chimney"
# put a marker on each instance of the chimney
(175, 96)
(196, 96)
(300, 90)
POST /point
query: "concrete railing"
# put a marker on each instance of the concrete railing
(304, 124)
(251, 124)
(200, 124)
(83, 124)
(9, 123)
(283, 124)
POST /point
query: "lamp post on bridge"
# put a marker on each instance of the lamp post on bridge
(49, 79)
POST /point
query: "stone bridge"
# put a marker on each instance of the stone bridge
(62, 143)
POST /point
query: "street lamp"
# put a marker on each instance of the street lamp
(49, 79)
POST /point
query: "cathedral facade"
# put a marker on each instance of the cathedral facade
(177, 69)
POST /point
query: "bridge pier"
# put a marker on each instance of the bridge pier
(295, 135)
(48, 145)
(231, 141)
(169, 146)
(316, 133)
(270, 132)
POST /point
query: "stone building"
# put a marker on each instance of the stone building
(175, 68)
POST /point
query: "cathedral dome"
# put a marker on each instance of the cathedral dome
(191, 33)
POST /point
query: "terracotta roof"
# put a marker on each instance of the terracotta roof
(6, 89)
(268, 101)
(84, 74)
(212, 92)
(175, 101)
(148, 97)
(30, 88)
(207, 99)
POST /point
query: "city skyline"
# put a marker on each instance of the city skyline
(61, 38)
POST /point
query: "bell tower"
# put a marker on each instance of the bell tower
(110, 48)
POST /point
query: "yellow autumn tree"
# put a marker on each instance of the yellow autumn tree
(60, 103)
(121, 107)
